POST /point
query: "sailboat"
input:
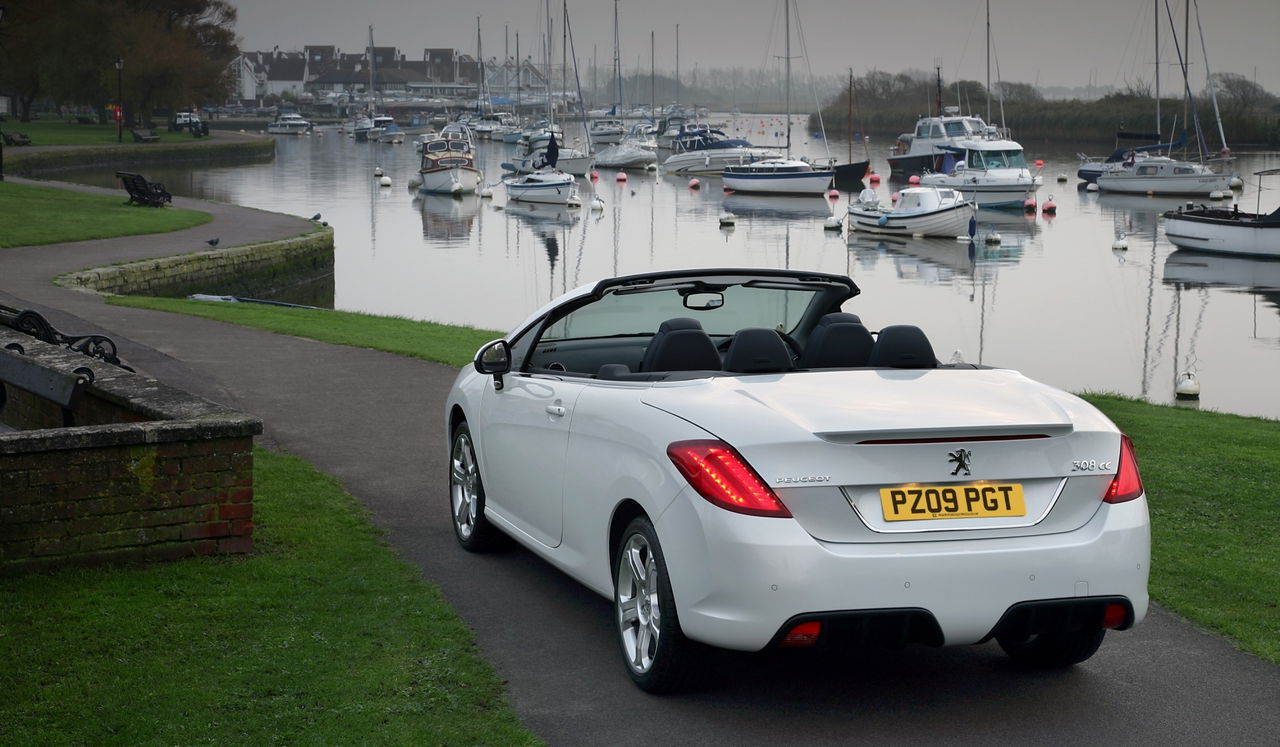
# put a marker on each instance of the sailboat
(1162, 174)
(852, 173)
(784, 175)
(535, 158)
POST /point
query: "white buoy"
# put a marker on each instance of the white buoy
(597, 202)
(1062, 178)
(1237, 182)
(1217, 195)
(486, 192)
(1121, 243)
(651, 167)
(832, 223)
(385, 181)
(574, 202)
(1188, 387)
(377, 171)
(728, 219)
(992, 238)
(1093, 187)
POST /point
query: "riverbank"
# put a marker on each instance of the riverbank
(220, 146)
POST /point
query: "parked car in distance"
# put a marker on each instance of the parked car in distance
(736, 461)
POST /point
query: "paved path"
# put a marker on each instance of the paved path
(374, 421)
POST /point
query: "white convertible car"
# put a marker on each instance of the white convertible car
(736, 461)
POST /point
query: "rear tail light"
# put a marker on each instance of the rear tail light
(1127, 483)
(803, 635)
(723, 477)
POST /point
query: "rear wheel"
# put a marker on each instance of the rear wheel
(1053, 650)
(466, 495)
(657, 655)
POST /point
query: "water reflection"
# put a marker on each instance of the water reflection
(1052, 298)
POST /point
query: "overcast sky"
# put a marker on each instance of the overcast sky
(1044, 42)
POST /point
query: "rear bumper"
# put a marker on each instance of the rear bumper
(738, 580)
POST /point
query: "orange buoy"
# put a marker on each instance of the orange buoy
(1039, 163)
(595, 175)
(874, 178)
(913, 179)
(694, 183)
(894, 197)
(622, 176)
(1029, 205)
(1049, 207)
(833, 194)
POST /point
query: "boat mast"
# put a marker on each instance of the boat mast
(1208, 77)
(617, 62)
(1156, 7)
(989, 62)
(787, 52)
(373, 89)
(677, 64)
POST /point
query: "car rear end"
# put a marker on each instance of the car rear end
(942, 507)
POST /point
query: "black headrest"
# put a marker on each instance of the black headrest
(680, 345)
(757, 350)
(837, 344)
(903, 346)
(839, 317)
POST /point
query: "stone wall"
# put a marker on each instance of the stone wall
(311, 253)
(142, 472)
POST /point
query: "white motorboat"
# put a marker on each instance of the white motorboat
(923, 150)
(448, 162)
(289, 123)
(920, 211)
(568, 160)
(360, 127)
(548, 186)
(993, 173)
(608, 131)
(1225, 231)
(391, 134)
(702, 150)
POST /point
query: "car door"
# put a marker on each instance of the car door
(525, 444)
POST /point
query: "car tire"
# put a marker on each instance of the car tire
(466, 496)
(657, 655)
(1054, 650)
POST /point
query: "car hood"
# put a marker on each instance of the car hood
(850, 407)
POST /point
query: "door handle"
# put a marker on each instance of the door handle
(556, 410)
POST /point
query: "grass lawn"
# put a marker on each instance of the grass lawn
(52, 132)
(322, 636)
(442, 343)
(46, 215)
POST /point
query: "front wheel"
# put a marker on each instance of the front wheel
(466, 495)
(658, 656)
(1054, 650)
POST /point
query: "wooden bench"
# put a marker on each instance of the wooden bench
(16, 138)
(145, 136)
(143, 192)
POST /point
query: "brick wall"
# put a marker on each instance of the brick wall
(173, 477)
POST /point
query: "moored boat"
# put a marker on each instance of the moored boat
(992, 173)
(779, 176)
(547, 186)
(289, 123)
(448, 162)
(922, 211)
(1220, 230)
(1161, 175)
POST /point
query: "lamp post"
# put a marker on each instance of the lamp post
(119, 100)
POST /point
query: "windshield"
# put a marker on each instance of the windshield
(997, 159)
(641, 313)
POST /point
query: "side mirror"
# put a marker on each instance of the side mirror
(494, 359)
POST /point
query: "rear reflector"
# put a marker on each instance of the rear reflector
(1114, 616)
(804, 634)
(724, 478)
(1127, 483)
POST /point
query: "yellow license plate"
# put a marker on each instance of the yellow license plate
(981, 500)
